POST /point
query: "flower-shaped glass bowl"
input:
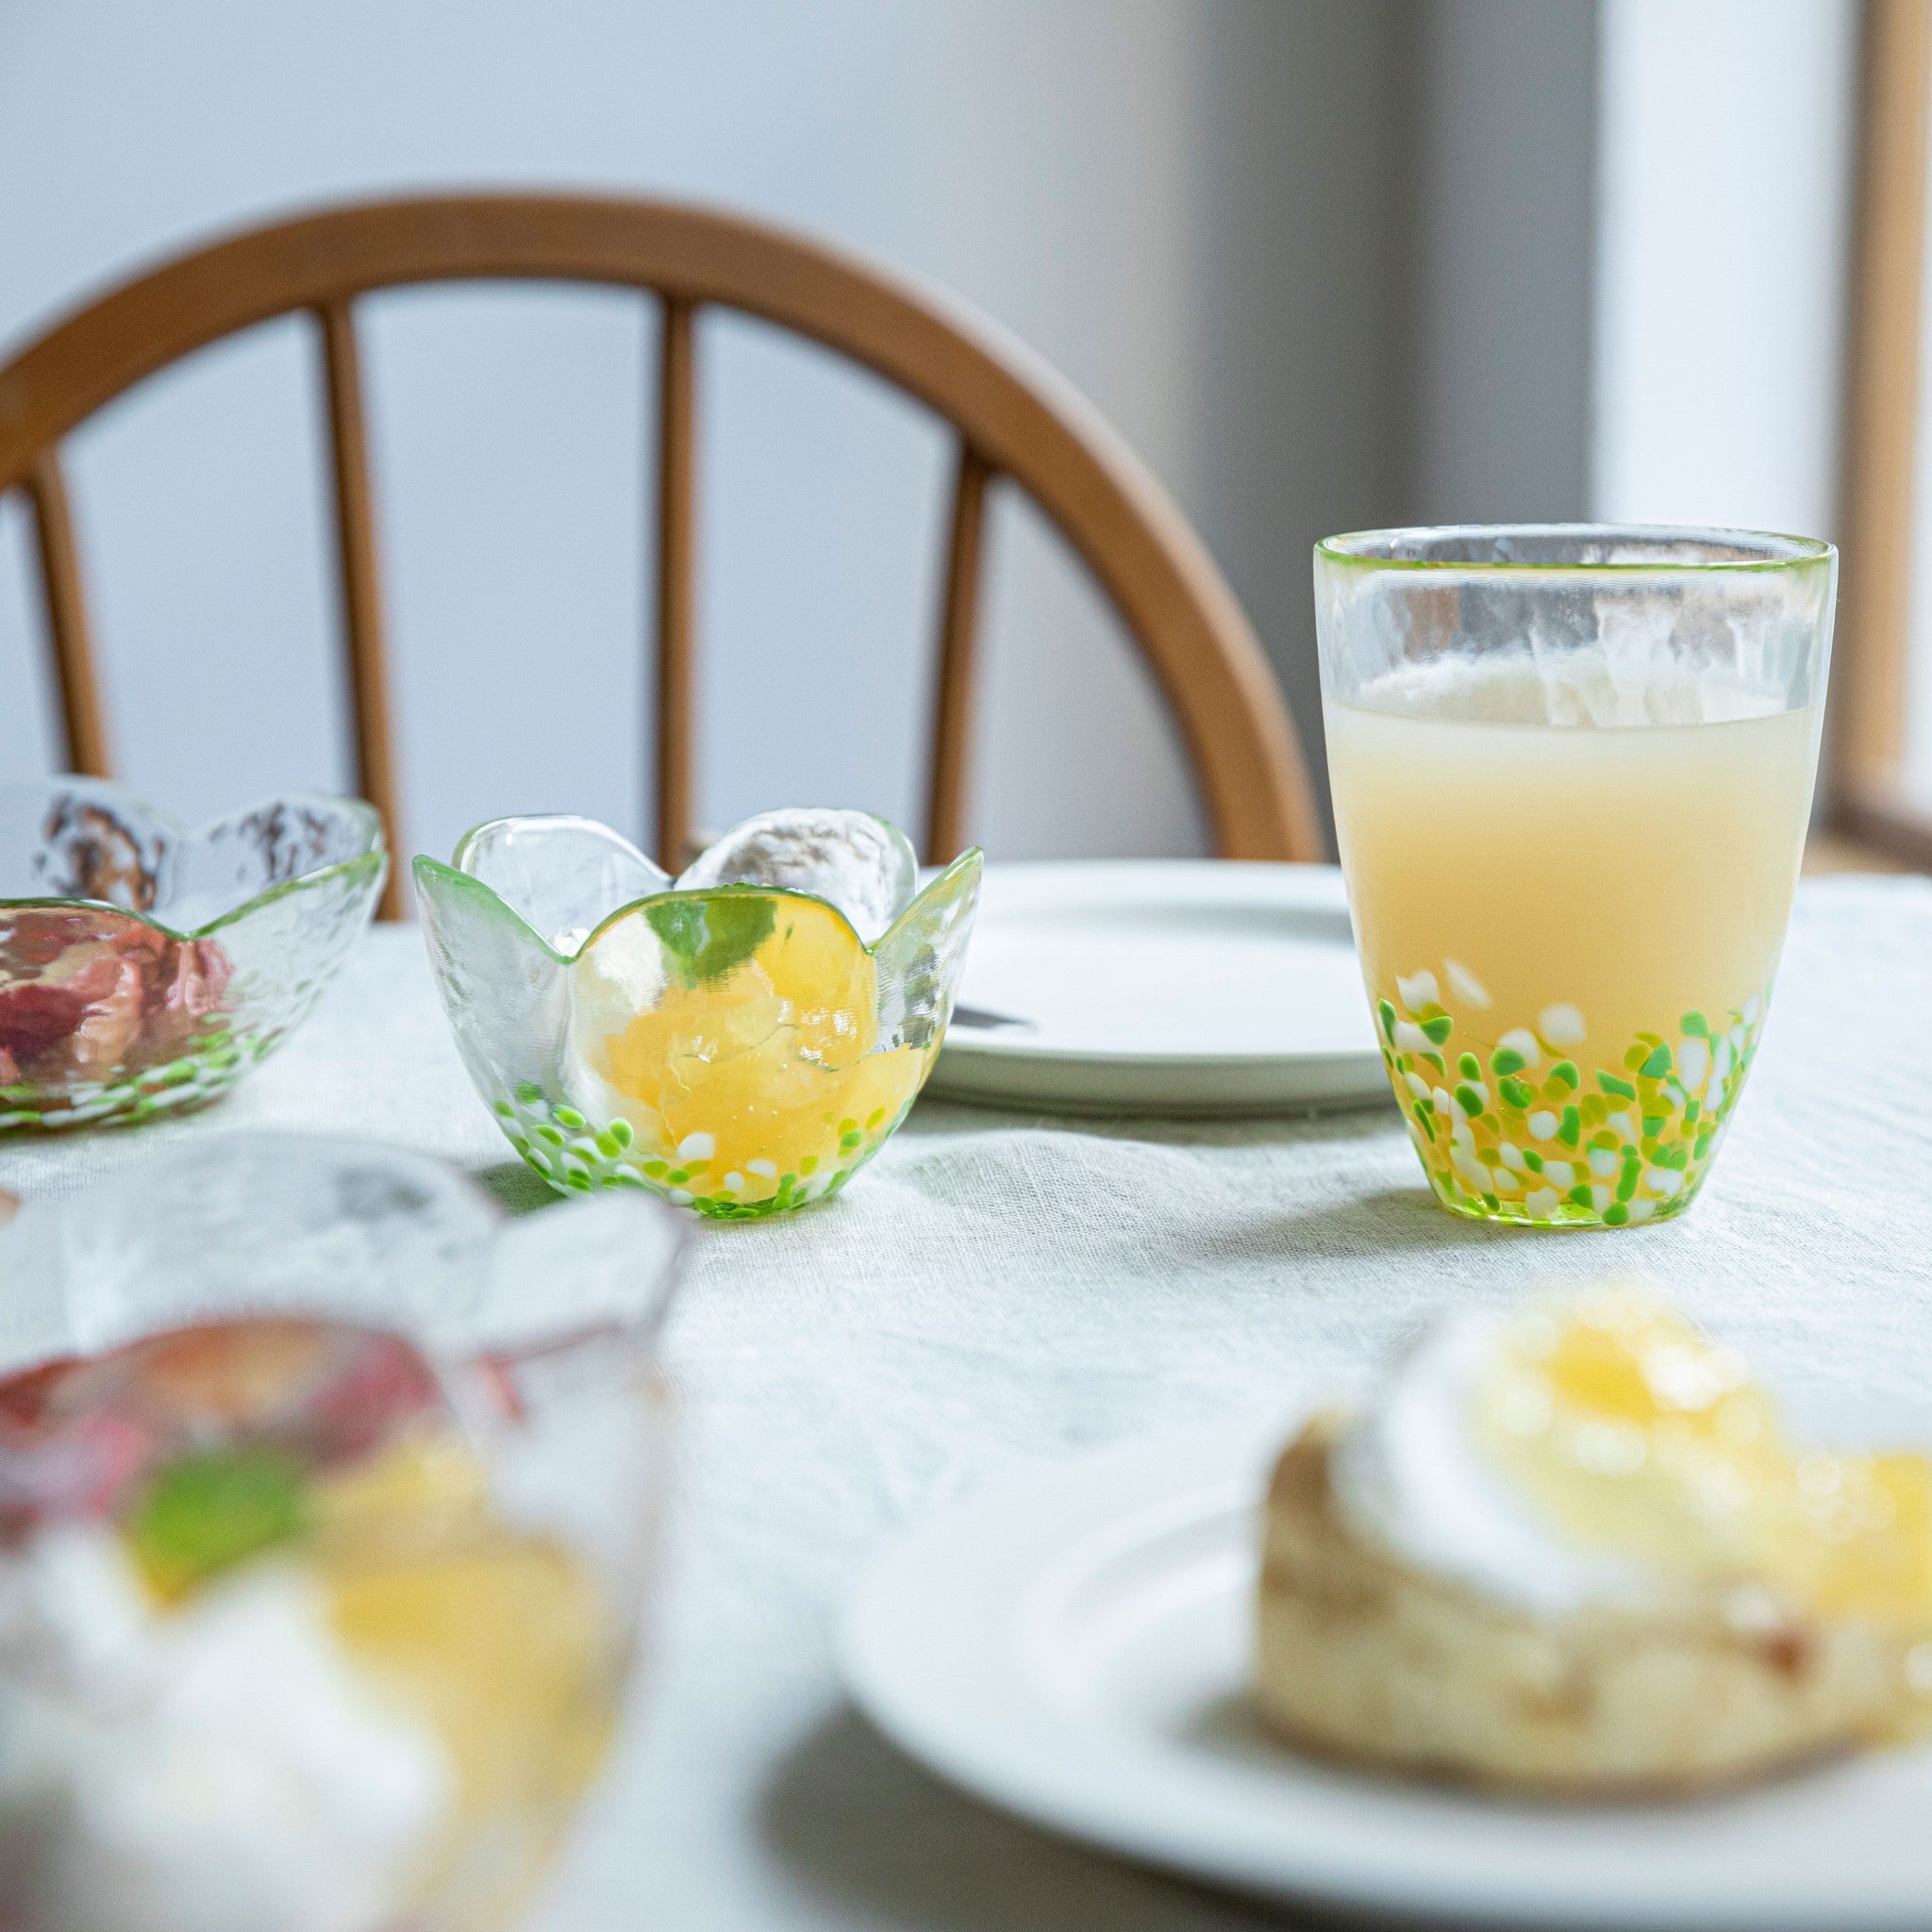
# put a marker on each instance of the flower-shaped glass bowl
(742, 1039)
(144, 968)
(327, 1510)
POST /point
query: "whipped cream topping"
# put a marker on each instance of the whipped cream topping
(1410, 1477)
(221, 1767)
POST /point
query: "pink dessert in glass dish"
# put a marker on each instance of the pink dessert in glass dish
(144, 968)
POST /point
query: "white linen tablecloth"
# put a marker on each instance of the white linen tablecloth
(998, 1289)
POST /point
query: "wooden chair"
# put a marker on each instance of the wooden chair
(1015, 419)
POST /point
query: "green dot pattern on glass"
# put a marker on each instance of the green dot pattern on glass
(212, 1064)
(576, 1156)
(1552, 1144)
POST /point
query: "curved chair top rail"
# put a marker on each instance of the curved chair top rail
(1015, 416)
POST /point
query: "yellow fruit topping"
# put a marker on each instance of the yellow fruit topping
(421, 1491)
(1624, 1423)
(750, 1074)
(500, 1640)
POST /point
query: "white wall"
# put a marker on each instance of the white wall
(1181, 205)
(1726, 167)
(1502, 150)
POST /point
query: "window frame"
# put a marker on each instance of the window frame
(1865, 797)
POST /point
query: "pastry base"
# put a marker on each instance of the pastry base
(1361, 1656)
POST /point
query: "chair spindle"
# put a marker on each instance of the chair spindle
(945, 823)
(65, 602)
(361, 590)
(676, 578)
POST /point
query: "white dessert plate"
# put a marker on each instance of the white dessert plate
(1072, 1644)
(1169, 986)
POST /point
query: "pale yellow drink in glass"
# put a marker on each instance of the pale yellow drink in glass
(1567, 929)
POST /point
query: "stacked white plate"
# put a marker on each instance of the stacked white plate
(1178, 987)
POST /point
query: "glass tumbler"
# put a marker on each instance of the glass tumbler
(327, 1500)
(1571, 770)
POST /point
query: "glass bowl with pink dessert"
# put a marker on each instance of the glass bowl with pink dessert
(327, 1506)
(144, 968)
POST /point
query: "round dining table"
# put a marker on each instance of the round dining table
(999, 1289)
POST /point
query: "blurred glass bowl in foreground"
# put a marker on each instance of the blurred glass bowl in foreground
(741, 1040)
(326, 1516)
(145, 967)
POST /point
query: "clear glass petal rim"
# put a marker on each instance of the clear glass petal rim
(428, 871)
(372, 862)
(474, 836)
(641, 1328)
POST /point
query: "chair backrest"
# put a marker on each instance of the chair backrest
(1015, 420)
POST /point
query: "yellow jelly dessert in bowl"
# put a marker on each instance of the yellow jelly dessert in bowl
(740, 1041)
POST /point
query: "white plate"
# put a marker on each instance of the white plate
(1178, 986)
(1072, 1644)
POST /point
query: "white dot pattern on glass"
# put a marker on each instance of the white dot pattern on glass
(1522, 1128)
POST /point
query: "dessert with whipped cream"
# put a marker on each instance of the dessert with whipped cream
(1576, 1550)
(272, 1657)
